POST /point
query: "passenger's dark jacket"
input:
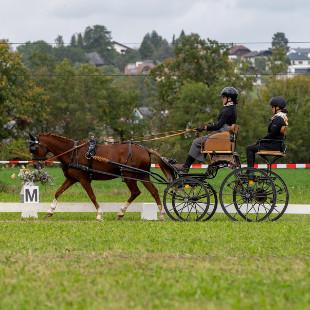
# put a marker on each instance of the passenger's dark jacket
(228, 116)
(274, 138)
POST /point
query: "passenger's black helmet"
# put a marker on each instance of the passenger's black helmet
(230, 92)
(278, 101)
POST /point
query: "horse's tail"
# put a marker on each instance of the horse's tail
(165, 168)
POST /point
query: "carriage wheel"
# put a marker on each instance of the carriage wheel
(186, 199)
(213, 203)
(250, 199)
(282, 196)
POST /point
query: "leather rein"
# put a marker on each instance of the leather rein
(159, 136)
(51, 159)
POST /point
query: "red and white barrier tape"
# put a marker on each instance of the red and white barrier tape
(274, 166)
(194, 166)
(16, 162)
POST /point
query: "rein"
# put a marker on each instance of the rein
(63, 153)
(154, 137)
(167, 134)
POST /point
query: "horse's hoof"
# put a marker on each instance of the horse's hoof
(99, 220)
(120, 216)
(162, 218)
(47, 215)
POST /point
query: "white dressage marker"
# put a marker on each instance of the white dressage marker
(30, 194)
(149, 212)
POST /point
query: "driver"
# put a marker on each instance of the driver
(226, 117)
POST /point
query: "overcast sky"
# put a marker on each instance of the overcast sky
(130, 20)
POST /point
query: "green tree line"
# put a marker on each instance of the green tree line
(53, 89)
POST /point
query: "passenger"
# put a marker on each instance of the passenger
(274, 138)
(226, 117)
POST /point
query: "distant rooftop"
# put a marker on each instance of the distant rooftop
(239, 50)
(299, 54)
(95, 59)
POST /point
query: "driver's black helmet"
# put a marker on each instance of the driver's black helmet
(278, 101)
(230, 92)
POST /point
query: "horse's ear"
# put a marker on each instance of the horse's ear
(32, 137)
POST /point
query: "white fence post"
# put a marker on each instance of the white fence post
(30, 195)
(149, 212)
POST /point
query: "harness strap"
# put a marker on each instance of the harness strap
(129, 152)
(74, 153)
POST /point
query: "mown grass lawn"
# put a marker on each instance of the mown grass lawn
(73, 262)
(297, 180)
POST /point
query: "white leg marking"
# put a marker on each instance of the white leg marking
(53, 206)
(123, 209)
(99, 216)
(162, 212)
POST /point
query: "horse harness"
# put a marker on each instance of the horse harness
(90, 155)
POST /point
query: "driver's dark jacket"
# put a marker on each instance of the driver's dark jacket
(227, 115)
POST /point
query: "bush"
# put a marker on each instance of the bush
(15, 149)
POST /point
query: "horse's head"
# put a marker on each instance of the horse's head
(37, 148)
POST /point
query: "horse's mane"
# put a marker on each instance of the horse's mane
(57, 136)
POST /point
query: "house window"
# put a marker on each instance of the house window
(300, 62)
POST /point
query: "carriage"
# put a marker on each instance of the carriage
(245, 194)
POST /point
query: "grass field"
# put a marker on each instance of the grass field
(297, 180)
(73, 262)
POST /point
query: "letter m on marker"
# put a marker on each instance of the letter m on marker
(31, 194)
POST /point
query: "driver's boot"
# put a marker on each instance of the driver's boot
(184, 168)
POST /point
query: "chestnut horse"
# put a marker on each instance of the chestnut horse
(70, 152)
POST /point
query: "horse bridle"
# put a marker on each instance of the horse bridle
(33, 147)
(34, 144)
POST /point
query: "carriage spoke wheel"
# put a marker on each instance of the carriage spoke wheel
(282, 196)
(186, 199)
(213, 203)
(252, 199)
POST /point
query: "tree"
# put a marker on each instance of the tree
(73, 41)
(74, 54)
(120, 114)
(98, 38)
(279, 40)
(195, 60)
(77, 100)
(80, 41)
(22, 102)
(155, 47)
(261, 65)
(188, 85)
(37, 54)
(82, 100)
(278, 59)
(41, 57)
(146, 48)
(59, 41)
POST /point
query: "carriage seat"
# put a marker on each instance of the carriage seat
(271, 153)
(263, 152)
(223, 142)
